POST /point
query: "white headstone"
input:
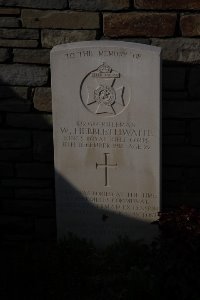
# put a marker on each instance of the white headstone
(106, 119)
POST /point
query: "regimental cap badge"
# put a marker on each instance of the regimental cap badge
(105, 71)
(104, 91)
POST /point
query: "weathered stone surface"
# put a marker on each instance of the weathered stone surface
(16, 155)
(194, 83)
(167, 4)
(43, 146)
(19, 33)
(13, 92)
(179, 49)
(52, 38)
(60, 19)
(174, 78)
(9, 11)
(59, 4)
(4, 55)
(42, 99)
(7, 170)
(19, 74)
(9, 22)
(35, 170)
(32, 56)
(139, 24)
(18, 43)
(99, 4)
(30, 121)
(190, 25)
(14, 139)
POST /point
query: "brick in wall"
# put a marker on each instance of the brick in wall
(18, 43)
(181, 156)
(9, 22)
(172, 173)
(43, 146)
(29, 208)
(179, 49)
(174, 78)
(190, 25)
(35, 170)
(51, 4)
(16, 155)
(174, 127)
(34, 194)
(174, 95)
(99, 4)
(193, 173)
(33, 56)
(19, 33)
(5, 54)
(42, 99)
(14, 99)
(34, 121)
(176, 140)
(6, 193)
(15, 224)
(6, 170)
(181, 110)
(167, 4)
(25, 183)
(9, 11)
(15, 105)
(13, 92)
(45, 228)
(58, 19)
(52, 38)
(139, 24)
(19, 74)
(195, 133)
(14, 138)
(194, 83)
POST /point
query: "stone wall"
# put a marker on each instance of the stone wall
(28, 31)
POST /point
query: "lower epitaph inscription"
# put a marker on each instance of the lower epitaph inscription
(106, 120)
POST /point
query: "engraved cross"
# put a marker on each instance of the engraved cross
(106, 165)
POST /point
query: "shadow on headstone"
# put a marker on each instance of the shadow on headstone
(28, 209)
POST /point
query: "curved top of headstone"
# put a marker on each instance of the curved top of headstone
(106, 43)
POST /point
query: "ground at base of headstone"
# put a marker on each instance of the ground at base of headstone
(76, 269)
